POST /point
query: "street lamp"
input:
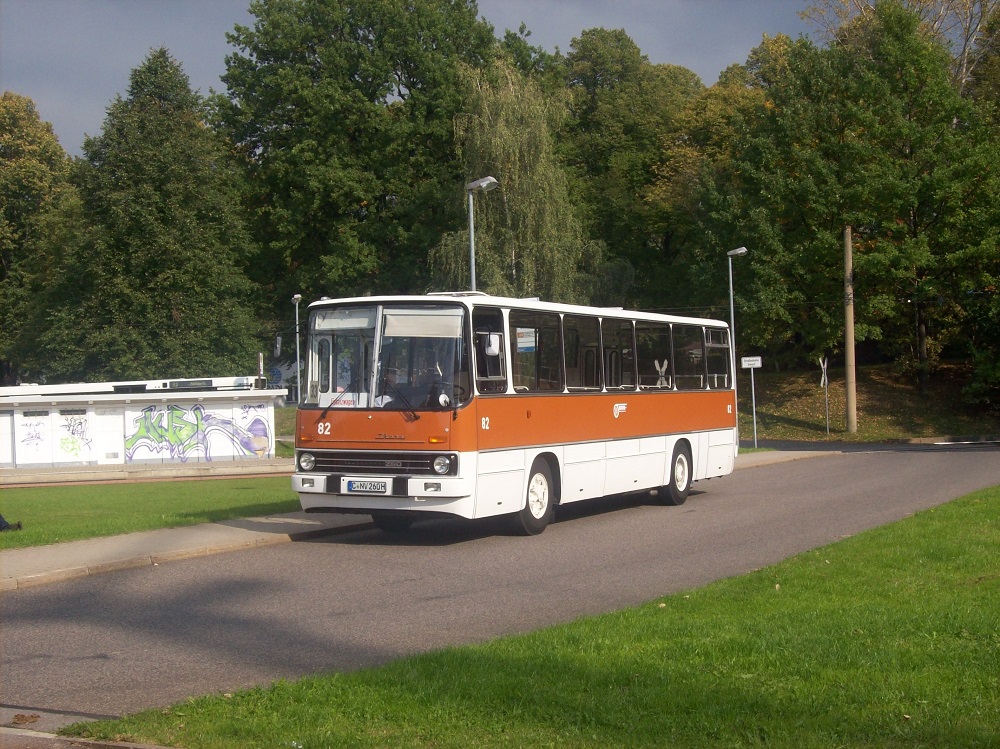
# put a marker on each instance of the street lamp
(485, 185)
(298, 361)
(738, 252)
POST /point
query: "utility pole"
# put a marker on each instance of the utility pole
(850, 380)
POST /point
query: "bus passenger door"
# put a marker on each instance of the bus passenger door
(500, 464)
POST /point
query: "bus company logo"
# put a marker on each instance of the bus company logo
(620, 408)
(384, 436)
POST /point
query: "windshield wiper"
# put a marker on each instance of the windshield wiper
(352, 387)
(408, 412)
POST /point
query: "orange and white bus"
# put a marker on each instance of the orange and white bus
(470, 405)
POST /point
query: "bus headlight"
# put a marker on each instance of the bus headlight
(442, 464)
(307, 461)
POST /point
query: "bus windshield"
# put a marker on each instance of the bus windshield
(396, 357)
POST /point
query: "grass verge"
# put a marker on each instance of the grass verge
(792, 406)
(886, 639)
(52, 514)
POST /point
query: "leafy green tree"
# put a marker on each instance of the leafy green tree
(622, 107)
(697, 157)
(546, 69)
(154, 286)
(959, 25)
(935, 229)
(529, 240)
(34, 177)
(985, 83)
(344, 112)
(870, 132)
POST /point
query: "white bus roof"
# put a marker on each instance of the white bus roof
(470, 299)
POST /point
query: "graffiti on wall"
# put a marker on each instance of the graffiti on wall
(33, 433)
(181, 432)
(76, 441)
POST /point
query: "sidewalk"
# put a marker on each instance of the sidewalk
(38, 565)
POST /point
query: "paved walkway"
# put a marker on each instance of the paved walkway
(29, 728)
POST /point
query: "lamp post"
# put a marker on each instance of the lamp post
(738, 252)
(485, 185)
(298, 361)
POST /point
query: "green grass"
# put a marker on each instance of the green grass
(284, 426)
(791, 406)
(51, 514)
(886, 639)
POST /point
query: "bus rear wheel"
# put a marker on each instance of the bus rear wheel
(679, 487)
(539, 504)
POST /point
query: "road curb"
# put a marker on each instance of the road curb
(152, 560)
(53, 740)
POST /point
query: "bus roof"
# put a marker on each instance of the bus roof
(470, 299)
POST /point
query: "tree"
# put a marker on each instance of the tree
(344, 112)
(621, 108)
(697, 155)
(959, 24)
(985, 83)
(872, 133)
(34, 177)
(154, 286)
(546, 69)
(529, 241)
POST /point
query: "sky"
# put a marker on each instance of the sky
(73, 57)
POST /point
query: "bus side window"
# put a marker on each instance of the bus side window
(536, 351)
(653, 356)
(488, 350)
(689, 357)
(580, 343)
(619, 356)
(717, 358)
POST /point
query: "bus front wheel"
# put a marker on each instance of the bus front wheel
(679, 487)
(539, 502)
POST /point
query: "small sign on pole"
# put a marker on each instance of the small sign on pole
(752, 363)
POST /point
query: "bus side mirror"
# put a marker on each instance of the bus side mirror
(493, 344)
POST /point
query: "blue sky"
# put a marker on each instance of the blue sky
(72, 57)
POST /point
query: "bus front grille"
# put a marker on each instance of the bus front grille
(380, 463)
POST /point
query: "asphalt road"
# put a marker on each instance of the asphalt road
(116, 643)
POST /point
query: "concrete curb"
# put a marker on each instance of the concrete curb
(108, 562)
(14, 738)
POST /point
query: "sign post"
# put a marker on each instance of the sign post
(752, 363)
(825, 384)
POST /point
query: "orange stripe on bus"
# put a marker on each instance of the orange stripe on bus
(521, 420)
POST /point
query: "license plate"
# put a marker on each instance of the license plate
(365, 486)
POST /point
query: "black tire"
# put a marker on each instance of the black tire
(539, 501)
(392, 523)
(676, 492)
